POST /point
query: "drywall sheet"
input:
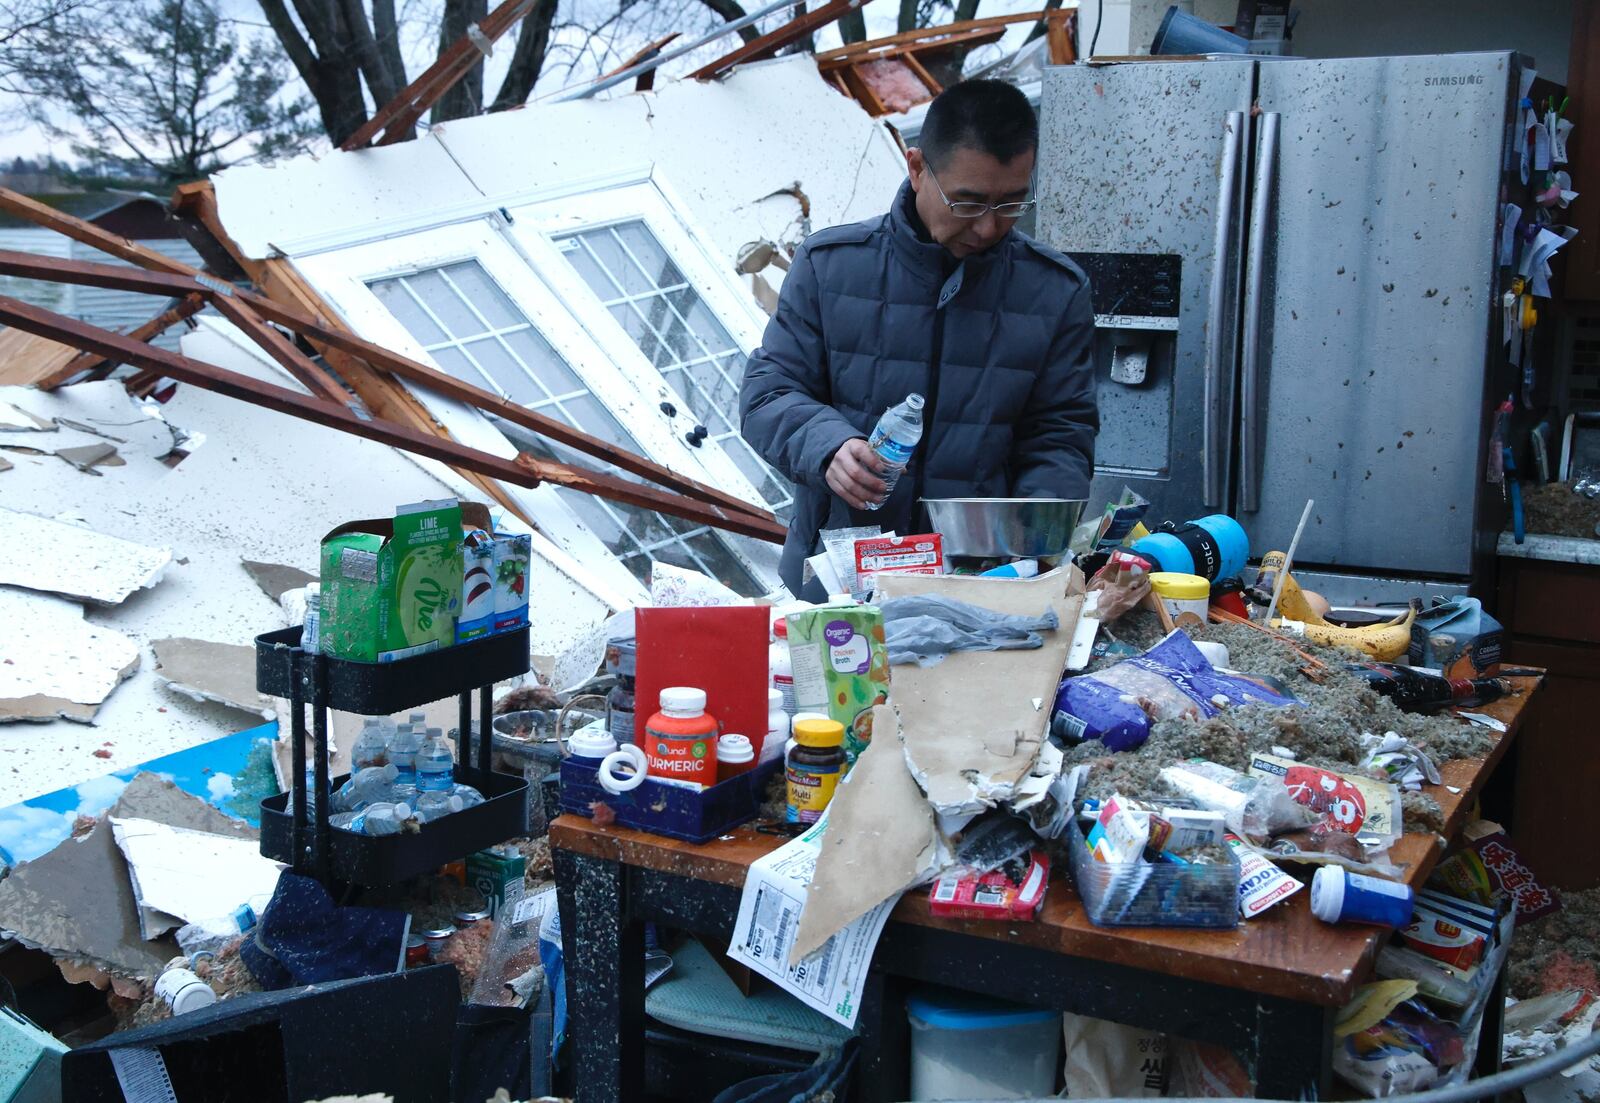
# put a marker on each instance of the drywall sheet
(58, 558)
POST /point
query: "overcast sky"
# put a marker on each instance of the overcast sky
(644, 22)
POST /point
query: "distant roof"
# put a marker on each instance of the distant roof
(126, 213)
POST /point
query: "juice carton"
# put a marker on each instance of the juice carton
(497, 873)
(841, 667)
(477, 587)
(512, 551)
(392, 588)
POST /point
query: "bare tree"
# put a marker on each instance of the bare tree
(165, 90)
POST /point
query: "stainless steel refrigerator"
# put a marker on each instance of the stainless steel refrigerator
(1296, 297)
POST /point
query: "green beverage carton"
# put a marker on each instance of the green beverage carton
(497, 873)
(392, 588)
(841, 667)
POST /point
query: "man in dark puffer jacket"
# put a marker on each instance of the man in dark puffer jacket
(942, 297)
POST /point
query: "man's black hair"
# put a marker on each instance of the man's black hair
(989, 116)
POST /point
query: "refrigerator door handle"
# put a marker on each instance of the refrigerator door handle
(1255, 285)
(1224, 308)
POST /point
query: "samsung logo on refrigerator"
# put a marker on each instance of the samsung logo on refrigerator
(1441, 82)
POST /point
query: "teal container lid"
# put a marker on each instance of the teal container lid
(948, 1009)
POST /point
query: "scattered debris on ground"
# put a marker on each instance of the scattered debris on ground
(1556, 510)
(1558, 951)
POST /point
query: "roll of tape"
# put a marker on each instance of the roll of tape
(629, 754)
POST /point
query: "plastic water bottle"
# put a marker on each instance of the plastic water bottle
(403, 752)
(384, 819)
(311, 627)
(371, 747)
(433, 804)
(367, 786)
(433, 764)
(895, 440)
(469, 797)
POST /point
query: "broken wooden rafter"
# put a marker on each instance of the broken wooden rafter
(524, 470)
(233, 302)
(773, 41)
(93, 367)
(396, 120)
(924, 38)
(647, 79)
(88, 233)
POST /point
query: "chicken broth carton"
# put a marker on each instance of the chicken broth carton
(392, 588)
(841, 667)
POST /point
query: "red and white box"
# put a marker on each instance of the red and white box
(899, 555)
(998, 894)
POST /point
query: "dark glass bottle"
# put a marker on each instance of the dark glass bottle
(1417, 691)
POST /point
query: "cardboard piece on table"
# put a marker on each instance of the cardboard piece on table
(207, 671)
(881, 839)
(974, 723)
(721, 649)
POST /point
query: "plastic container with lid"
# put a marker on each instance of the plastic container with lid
(1339, 896)
(778, 722)
(735, 755)
(813, 767)
(184, 991)
(680, 741)
(780, 664)
(1182, 593)
(971, 1047)
(591, 742)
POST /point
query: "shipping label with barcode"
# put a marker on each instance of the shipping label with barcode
(831, 979)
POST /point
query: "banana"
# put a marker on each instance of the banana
(1292, 602)
(1385, 642)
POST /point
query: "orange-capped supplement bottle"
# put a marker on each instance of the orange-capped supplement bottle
(680, 741)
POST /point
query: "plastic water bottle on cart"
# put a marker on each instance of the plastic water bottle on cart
(895, 440)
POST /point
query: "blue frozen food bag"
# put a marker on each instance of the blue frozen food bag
(1118, 705)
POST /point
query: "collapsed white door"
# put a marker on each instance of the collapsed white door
(501, 306)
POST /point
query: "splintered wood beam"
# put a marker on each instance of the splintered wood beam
(924, 36)
(522, 471)
(92, 274)
(93, 367)
(770, 43)
(39, 214)
(308, 372)
(395, 119)
(647, 79)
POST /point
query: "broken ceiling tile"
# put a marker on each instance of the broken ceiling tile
(57, 663)
(275, 579)
(971, 730)
(183, 876)
(76, 902)
(90, 456)
(41, 554)
(15, 417)
(150, 796)
(207, 671)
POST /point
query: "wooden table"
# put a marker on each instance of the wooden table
(1268, 989)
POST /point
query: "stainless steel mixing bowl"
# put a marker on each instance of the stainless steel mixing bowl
(989, 527)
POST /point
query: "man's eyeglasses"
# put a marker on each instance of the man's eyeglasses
(966, 209)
